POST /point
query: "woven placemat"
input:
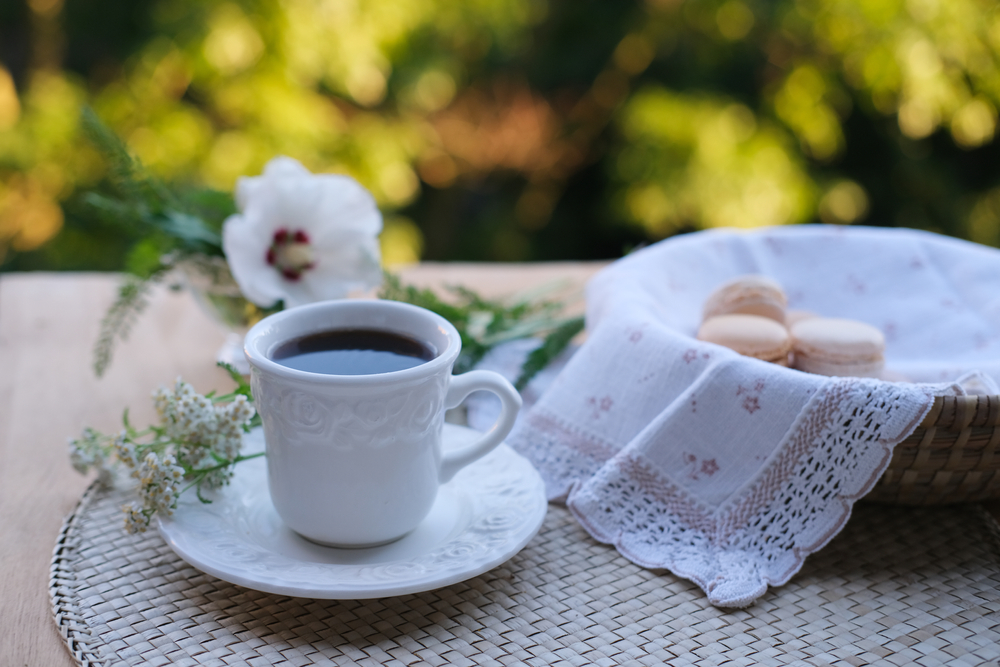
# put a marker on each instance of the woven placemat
(898, 586)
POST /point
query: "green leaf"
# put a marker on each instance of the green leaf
(551, 347)
(197, 491)
(191, 231)
(485, 323)
(146, 258)
(130, 216)
(212, 206)
(242, 386)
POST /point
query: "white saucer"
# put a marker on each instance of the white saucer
(482, 517)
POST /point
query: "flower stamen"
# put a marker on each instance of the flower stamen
(290, 253)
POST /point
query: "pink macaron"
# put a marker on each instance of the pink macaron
(747, 295)
(750, 335)
(836, 346)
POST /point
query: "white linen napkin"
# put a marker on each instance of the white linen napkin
(727, 470)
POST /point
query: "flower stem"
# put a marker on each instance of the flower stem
(201, 472)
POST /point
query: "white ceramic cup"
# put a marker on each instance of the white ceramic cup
(356, 460)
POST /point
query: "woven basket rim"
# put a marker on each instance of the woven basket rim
(955, 413)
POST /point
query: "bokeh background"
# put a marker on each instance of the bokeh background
(511, 130)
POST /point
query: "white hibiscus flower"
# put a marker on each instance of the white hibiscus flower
(301, 237)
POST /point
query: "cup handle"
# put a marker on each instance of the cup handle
(461, 386)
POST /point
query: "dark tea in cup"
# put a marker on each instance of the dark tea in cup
(353, 352)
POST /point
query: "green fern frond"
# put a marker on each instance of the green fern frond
(186, 220)
(132, 299)
(125, 171)
(485, 323)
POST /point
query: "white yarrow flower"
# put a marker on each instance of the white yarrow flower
(158, 480)
(301, 237)
(90, 451)
(135, 520)
(198, 443)
(81, 456)
(126, 453)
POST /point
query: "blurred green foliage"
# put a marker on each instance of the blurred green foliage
(511, 129)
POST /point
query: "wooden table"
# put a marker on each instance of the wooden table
(48, 393)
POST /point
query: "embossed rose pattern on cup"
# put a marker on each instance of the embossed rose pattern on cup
(346, 422)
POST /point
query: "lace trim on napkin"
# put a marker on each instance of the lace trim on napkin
(834, 454)
(562, 453)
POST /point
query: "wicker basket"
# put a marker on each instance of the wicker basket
(952, 457)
